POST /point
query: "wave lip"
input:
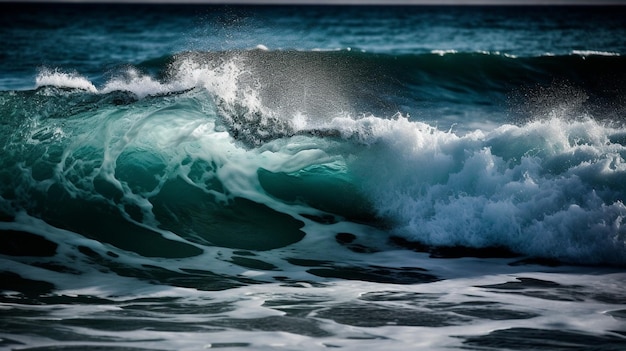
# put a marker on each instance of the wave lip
(547, 185)
(59, 79)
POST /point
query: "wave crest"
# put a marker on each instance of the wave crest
(59, 79)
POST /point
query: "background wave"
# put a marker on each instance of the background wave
(441, 87)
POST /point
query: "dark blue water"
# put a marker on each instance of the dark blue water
(178, 177)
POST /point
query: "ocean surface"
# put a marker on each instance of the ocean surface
(308, 178)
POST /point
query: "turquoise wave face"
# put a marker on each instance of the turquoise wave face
(209, 158)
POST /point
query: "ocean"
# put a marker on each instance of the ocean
(188, 177)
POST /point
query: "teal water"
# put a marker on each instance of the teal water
(183, 177)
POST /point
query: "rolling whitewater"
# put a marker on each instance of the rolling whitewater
(185, 177)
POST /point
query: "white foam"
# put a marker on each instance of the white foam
(539, 189)
(139, 84)
(443, 52)
(60, 79)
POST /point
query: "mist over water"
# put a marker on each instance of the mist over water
(184, 177)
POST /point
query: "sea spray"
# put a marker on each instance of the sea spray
(311, 177)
